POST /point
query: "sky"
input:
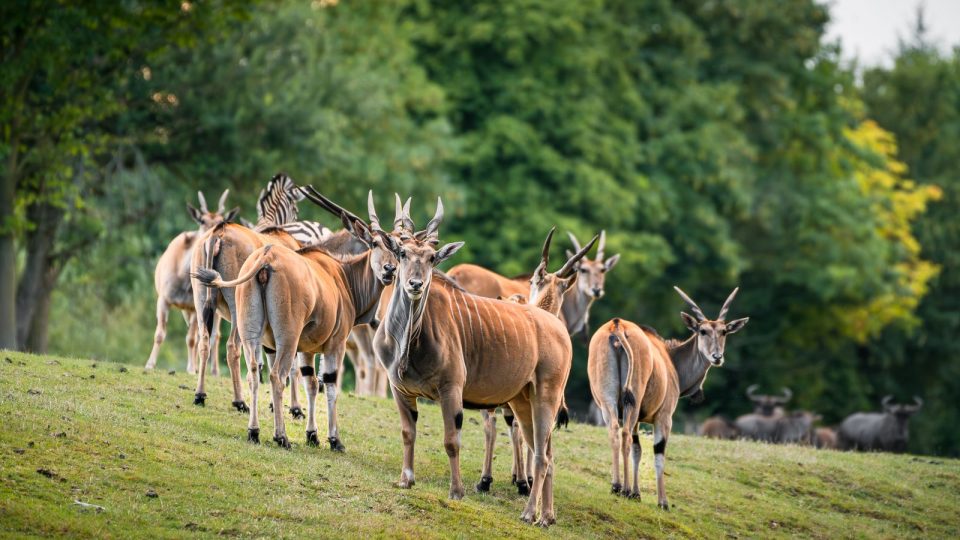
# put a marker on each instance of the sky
(869, 29)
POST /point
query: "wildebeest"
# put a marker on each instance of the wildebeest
(761, 425)
(795, 428)
(884, 431)
(718, 427)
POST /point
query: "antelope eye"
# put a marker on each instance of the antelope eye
(703, 332)
(723, 332)
(583, 270)
(433, 258)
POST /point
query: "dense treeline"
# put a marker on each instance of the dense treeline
(719, 144)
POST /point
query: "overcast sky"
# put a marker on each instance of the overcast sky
(868, 29)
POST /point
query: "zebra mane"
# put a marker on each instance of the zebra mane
(277, 204)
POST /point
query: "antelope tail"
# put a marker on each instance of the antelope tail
(211, 278)
(563, 415)
(211, 248)
(618, 344)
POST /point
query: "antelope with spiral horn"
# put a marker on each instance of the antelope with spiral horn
(172, 282)
(636, 376)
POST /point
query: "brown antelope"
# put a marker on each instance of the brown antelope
(546, 292)
(172, 281)
(576, 301)
(590, 287)
(305, 302)
(634, 371)
(224, 248)
(440, 342)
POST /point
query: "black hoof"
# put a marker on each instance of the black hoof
(296, 412)
(271, 407)
(523, 488)
(634, 495)
(241, 406)
(664, 506)
(336, 445)
(253, 435)
(200, 398)
(616, 489)
(282, 442)
(483, 486)
(312, 439)
(513, 479)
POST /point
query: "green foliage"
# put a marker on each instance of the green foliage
(718, 143)
(918, 99)
(130, 432)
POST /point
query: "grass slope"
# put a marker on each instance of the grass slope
(106, 436)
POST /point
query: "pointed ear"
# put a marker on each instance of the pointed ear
(540, 272)
(563, 285)
(689, 321)
(231, 215)
(611, 262)
(195, 214)
(446, 252)
(388, 242)
(734, 326)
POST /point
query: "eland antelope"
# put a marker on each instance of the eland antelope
(224, 248)
(305, 302)
(439, 342)
(172, 281)
(546, 292)
(637, 376)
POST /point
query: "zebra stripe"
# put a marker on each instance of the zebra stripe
(278, 202)
(306, 232)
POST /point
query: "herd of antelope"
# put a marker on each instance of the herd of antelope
(468, 338)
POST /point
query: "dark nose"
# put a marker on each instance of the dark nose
(415, 284)
(389, 268)
(717, 356)
(597, 291)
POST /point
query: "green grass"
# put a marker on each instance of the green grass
(106, 437)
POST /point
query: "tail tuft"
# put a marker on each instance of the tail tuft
(563, 417)
(206, 276)
(629, 400)
(208, 316)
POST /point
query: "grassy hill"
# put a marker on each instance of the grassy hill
(74, 430)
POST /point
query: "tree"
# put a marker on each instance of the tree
(64, 71)
(918, 100)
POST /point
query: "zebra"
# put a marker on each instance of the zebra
(277, 209)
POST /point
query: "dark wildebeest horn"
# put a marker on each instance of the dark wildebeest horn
(726, 305)
(885, 403)
(787, 395)
(203, 202)
(573, 240)
(918, 404)
(693, 305)
(570, 266)
(601, 245)
(222, 205)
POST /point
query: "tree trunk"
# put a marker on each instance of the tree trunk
(8, 255)
(36, 340)
(33, 283)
